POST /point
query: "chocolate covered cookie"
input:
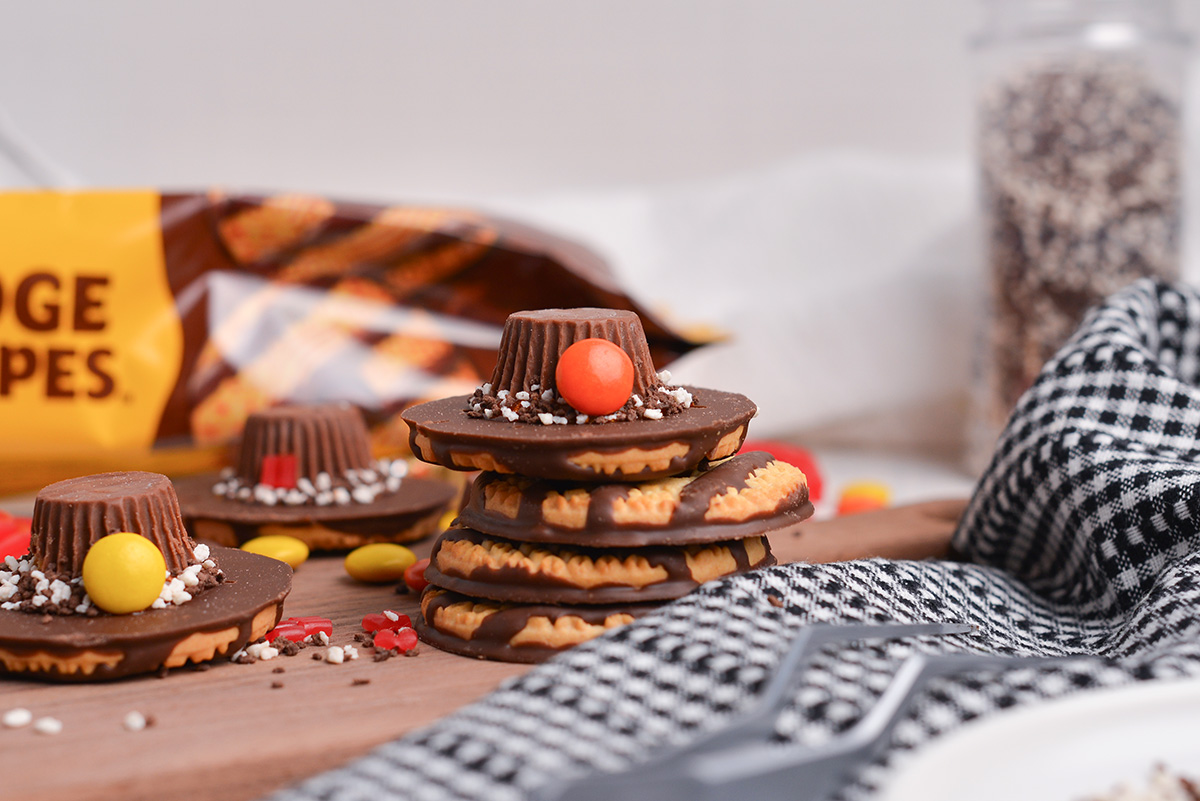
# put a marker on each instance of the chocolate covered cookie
(514, 632)
(521, 423)
(307, 472)
(746, 495)
(479, 565)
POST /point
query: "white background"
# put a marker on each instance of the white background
(796, 172)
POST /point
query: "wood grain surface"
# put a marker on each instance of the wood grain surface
(227, 733)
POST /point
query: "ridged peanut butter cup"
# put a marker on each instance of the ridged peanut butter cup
(532, 341)
(330, 438)
(69, 516)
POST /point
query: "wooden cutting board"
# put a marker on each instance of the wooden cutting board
(228, 733)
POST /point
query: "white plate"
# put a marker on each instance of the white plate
(1061, 750)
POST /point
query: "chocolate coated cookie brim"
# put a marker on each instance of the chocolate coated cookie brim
(514, 585)
(144, 640)
(687, 523)
(442, 433)
(388, 517)
(491, 640)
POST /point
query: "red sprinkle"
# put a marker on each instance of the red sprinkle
(403, 640)
(297, 628)
(414, 577)
(279, 470)
(379, 621)
(14, 535)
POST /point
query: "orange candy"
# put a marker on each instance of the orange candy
(595, 376)
(863, 496)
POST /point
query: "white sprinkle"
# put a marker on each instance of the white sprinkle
(561, 421)
(262, 651)
(48, 726)
(42, 585)
(7, 591)
(486, 389)
(82, 608)
(158, 603)
(324, 483)
(335, 655)
(175, 585)
(320, 638)
(59, 591)
(37, 574)
(295, 498)
(10, 605)
(487, 414)
(652, 414)
(363, 494)
(502, 394)
(323, 498)
(350, 651)
(534, 387)
(134, 721)
(238, 654)
(398, 468)
(392, 483)
(6, 577)
(546, 418)
(210, 564)
(477, 407)
(226, 472)
(189, 579)
(522, 396)
(548, 396)
(264, 495)
(281, 493)
(200, 552)
(508, 413)
(637, 401)
(341, 496)
(580, 419)
(305, 486)
(38, 600)
(17, 717)
(390, 615)
(244, 493)
(664, 376)
(180, 597)
(220, 488)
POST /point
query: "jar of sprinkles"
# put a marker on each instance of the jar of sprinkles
(1080, 151)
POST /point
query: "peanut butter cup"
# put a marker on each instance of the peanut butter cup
(306, 471)
(69, 516)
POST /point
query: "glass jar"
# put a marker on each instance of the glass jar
(1080, 154)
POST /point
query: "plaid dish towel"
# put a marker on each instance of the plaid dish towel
(1081, 539)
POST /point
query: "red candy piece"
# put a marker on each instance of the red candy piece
(794, 455)
(14, 535)
(297, 628)
(403, 640)
(278, 470)
(379, 621)
(414, 577)
(595, 376)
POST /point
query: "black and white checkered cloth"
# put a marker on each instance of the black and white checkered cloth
(1081, 539)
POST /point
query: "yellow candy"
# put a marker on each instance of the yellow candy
(279, 546)
(379, 562)
(123, 573)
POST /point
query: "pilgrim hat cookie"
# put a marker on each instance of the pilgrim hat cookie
(307, 472)
(515, 632)
(472, 563)
(113, 586)
(745, 495)
(574, 396)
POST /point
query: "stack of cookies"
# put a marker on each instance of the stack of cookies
(605, 492)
